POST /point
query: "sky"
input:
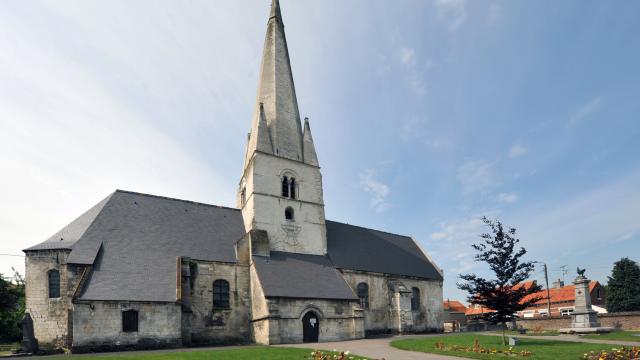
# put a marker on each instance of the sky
(426, 116)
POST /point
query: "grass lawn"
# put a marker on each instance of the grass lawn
(541, 349)
(5, 349)
(248, 353)
(617, 335)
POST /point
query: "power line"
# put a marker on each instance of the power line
(11, 255)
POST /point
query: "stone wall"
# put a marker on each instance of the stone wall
(51, 316)
(379, 319)
(264, 207)
(339, 319)
(215, 326)
(622, 321)
(98, 326)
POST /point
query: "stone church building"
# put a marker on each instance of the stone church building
(144, 271)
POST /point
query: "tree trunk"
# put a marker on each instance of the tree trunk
(504, 336)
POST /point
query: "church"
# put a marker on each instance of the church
(144, 271)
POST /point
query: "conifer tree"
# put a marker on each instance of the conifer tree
(504, 296)
(623, 289)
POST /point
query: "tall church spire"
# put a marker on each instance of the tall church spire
(277, 94)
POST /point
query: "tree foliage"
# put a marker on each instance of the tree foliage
(11, 307)
(623, 288)
(502, 295)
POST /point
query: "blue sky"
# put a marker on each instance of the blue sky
(426, 115)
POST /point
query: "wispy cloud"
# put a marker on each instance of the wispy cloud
(494, 12)
(416, 70)
(508, 198)
(408, 56)
(453, 12)
(517, 150)
(475, 175)
(586, 110)
(378, 190)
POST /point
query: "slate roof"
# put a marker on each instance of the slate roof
(301, 276)
(132, 240)
(357, 248)
(135, 239)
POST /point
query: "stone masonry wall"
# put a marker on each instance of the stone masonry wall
(378, 318)
(264, 207)
(622, 321)
(339, 319)
(98, 326)
(51, 316)
(215, 326)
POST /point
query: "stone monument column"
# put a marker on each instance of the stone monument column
(583, 315)
(584, 319)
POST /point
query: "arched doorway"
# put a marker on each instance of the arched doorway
(310, 327)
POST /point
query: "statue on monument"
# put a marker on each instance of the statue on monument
(584, 319)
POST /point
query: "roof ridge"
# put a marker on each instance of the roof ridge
(174, 199)
(366, 228)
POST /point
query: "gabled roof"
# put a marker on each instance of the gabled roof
(454, 306)
(301, 276)
(357, 248)
(132, 240)
(566, 293)
(70, 234)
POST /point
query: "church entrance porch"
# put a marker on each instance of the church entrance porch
(310, 327)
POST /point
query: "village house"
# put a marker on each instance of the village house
(146, 271)
(454, 315)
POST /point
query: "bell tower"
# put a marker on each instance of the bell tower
(280, 190)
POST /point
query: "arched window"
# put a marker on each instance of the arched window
(130, 321)
(292, 188)
(54, 284)
(288, 213)
(221, 294)
(285, 186)
(415, 299)
(363, 295)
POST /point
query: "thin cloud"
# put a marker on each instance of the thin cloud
(494, 12)
(517, 150)
(508, 198)
(475, 175)
(586, 110)
(378, 190)
(452, 12)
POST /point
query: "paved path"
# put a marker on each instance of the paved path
(375, 349)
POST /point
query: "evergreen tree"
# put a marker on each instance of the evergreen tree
(504, 295)
(11, 307)
(623, 289)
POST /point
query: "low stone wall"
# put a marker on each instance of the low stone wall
(622, 321)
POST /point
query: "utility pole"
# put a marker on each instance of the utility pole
(546, 280)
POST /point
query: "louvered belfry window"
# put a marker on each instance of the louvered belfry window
(54, 284)
(130, 321)
(221, 294)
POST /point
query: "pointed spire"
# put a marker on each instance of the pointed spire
(276, 91)
(310, 156)
(259, 137)
(275, 10)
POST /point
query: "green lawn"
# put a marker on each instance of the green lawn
(6, 349)
(617, 335)
(248, 353)
(541, 349)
